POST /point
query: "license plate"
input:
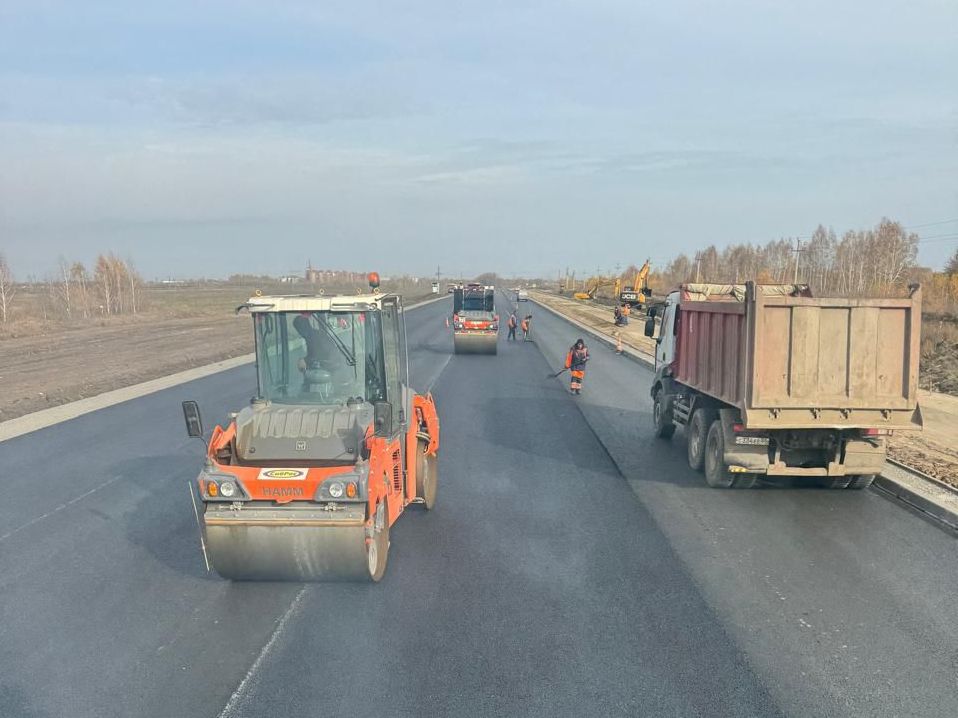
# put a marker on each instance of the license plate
(752, 440)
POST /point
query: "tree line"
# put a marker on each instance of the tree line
(875, 261)
(111, 287)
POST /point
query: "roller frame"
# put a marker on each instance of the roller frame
(476, 342)
(288, 544)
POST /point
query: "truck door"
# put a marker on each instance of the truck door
(665, 348)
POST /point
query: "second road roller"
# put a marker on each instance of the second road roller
(306, 481)
(475, 322)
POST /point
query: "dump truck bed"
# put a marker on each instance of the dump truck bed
(788, 360)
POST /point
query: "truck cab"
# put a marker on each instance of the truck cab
(665, 342)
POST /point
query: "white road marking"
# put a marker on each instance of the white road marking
(241, 690)
(435, 377)
(59, 508)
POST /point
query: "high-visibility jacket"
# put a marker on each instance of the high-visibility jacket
(525, 325)
(576, 358)
(512, 322)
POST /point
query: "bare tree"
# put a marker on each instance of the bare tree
(118, 279)
(117, 284)
(8, 289)
(133, 280)
(81, 287)
(104, 283)
(951, 266)
(862, 262)
(62, 287)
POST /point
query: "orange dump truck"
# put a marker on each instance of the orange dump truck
(770, 381)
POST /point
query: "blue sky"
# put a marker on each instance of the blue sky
(211, 138)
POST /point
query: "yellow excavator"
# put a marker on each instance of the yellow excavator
(595, 285)
(639, 292)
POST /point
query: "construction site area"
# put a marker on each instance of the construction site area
(281, 500)
(478, 359)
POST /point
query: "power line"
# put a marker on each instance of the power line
(931, 224)
(939, 237)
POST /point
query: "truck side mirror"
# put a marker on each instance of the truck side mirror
(383, 418)
(650, 327)
(194, 422)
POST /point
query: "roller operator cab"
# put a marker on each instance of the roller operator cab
(770, 381)
(305, 482)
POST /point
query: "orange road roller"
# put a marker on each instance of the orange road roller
(305, 482)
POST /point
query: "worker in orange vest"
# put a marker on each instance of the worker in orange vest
(575, 362)
(512, 326)
(526, 322)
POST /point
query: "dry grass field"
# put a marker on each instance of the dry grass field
(48, 359)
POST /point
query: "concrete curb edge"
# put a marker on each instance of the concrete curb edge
(627, 352)
(923, 504)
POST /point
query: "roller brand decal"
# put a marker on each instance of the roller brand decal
(282, 474)
(283, 491)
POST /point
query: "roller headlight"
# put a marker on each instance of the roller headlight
(336, 489)
(227, 489)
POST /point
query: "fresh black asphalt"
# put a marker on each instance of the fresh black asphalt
(572, 566)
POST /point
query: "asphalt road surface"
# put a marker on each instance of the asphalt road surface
(573, 566)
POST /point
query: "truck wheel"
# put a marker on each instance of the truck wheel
(696, 434)
(861, 481)
(834, 482)
(662, 417)
(377, 549)
(427, 475)
(717, 474)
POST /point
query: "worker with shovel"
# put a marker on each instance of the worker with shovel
(526, 325)
(575, 362)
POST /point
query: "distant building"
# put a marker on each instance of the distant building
(333, 276)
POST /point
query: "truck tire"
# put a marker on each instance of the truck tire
(377, 550)
(717, 474)
(427, 475)
(662, 416)
(696, 433)
(835, 482)
(861, 481)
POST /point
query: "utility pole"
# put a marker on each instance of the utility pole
(698, 266)
(798, 252)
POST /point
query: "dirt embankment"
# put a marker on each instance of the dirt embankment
(932, 450)
(40, 371)
(47, 363)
